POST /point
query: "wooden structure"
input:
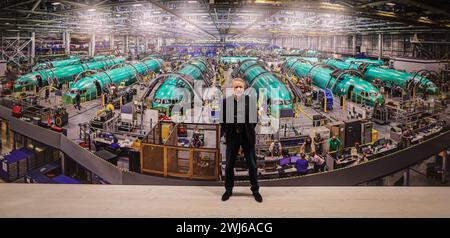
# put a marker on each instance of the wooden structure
(163, 154)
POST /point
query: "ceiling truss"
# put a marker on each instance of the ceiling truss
(225, 19)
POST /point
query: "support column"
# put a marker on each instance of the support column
(145, 44)
(334, 44)
(63, 164)
(309, 42)
(92, 45)
(14, 141)
(320, 43)
(125, 45)
(380, 46)
(66, 42)
(136, 48)
(159, 42)
(354, 45)
(33, 47)
(111, 41)
(444, 166)
(406, 177)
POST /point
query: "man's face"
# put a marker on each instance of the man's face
(238, 88)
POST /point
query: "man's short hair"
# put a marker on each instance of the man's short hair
(238, 79)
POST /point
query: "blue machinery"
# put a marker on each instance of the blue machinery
(326, 93)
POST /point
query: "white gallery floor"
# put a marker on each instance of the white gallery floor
(47, 200)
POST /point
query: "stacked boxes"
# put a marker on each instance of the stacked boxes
(42, 156)
(14, 164)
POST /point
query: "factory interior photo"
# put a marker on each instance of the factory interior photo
(116, 108)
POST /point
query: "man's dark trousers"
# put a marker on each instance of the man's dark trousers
(233, 147)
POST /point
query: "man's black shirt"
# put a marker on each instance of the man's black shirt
(244, 128)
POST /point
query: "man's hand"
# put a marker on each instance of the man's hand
(223, 138)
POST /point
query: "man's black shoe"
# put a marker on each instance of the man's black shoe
(257, 196)
(226, 195)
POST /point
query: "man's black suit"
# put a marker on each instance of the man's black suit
(237, 135)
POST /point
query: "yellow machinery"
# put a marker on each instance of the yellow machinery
(165, 131)
(221, 75)
(374, 135)
(121, 86)
(109, 107)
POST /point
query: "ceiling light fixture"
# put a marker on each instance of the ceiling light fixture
(385, 14)
(56, 3)
(137, 5)
(91, 10)
(331, 6)
(424, 20)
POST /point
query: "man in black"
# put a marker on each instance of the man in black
(78, 101)
(238, 126)
(47, 93)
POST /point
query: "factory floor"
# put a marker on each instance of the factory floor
(19, 200)
(303, 124)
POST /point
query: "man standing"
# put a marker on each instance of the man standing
(78, 101)
(334, 145)
(238, 122)
(318, 143)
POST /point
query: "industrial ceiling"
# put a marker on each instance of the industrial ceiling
(225, 20)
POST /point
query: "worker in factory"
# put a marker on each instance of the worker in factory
(238, 126)
(306, 147)
(275, 148)
(334, 145)
(78, 101)
(301, 165)
(319, 162)
(39, 82)
(382, 88)
(406, 138)
(318, 143)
